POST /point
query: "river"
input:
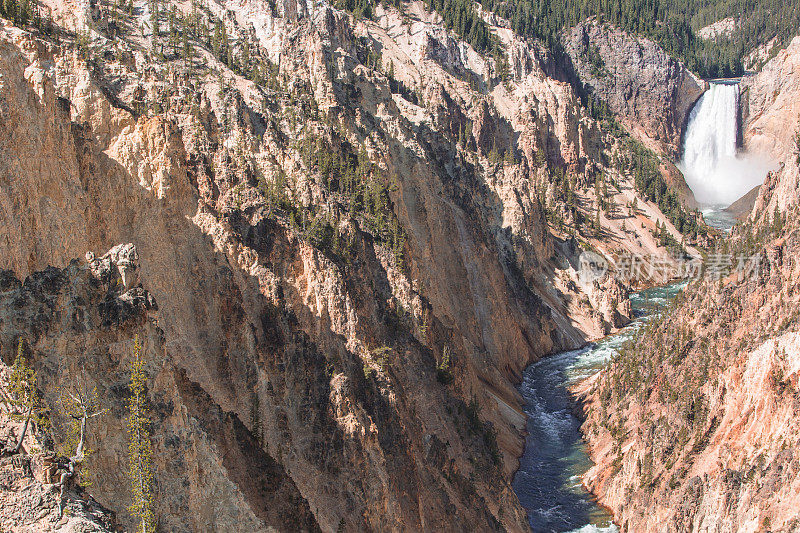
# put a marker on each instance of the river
(548, 482)
(717, 217)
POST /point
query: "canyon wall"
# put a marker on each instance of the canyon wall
(771, 118)
(262, 366)
(649, 91)
(337, 257)
(770, 106)
(293, 351)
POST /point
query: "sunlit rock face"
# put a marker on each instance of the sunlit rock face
(648, 90)
(295, 340)
(771, 107)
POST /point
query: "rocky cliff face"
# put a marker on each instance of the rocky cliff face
(770, 107)
(649, 91)
(79, 323)
(694, 427)
(771, 120)
(339, 262)
(28, 506)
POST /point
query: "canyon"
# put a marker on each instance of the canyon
(292, 348)
(340, 251)
(693, 426)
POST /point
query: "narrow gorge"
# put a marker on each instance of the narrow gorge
(549, 481)
(393, 266)
(693, 425)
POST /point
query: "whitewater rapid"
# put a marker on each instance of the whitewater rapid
(717, 174)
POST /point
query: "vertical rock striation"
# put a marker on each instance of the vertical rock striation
(351, 259)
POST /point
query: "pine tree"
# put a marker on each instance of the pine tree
(216, 40)
(777, 220)
(173, 30)
(611, 206)
(228, 58)
(26, 402)
(246, 70)
(82, 40)
(597, 220)
(154, 14)
(140, 449)
(187, 47)
(797, 146)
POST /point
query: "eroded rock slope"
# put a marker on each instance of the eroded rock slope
(339, 258)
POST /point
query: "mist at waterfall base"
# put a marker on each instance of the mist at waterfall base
(716, 173)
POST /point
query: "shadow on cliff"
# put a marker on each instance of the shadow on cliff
(310, 368)
(240, 357)
(472, 201)
(206, 332)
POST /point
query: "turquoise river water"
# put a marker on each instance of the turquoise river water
(548, 482)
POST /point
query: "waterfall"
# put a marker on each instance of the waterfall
(713, 170)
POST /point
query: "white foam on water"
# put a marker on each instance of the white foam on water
(590, 528)
(552, 501)
(554, 424)
(576, 481)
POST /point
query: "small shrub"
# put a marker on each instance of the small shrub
(443, 374)
(381, 356)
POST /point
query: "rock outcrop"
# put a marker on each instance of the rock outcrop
(649, 91)
(27, 505)
(720, 28)
(771, 105)
(771, 123)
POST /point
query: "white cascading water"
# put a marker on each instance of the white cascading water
(710, 164)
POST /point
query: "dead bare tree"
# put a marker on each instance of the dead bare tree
(16, 449)
(80, 405)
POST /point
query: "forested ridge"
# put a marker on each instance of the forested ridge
(673, 24)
